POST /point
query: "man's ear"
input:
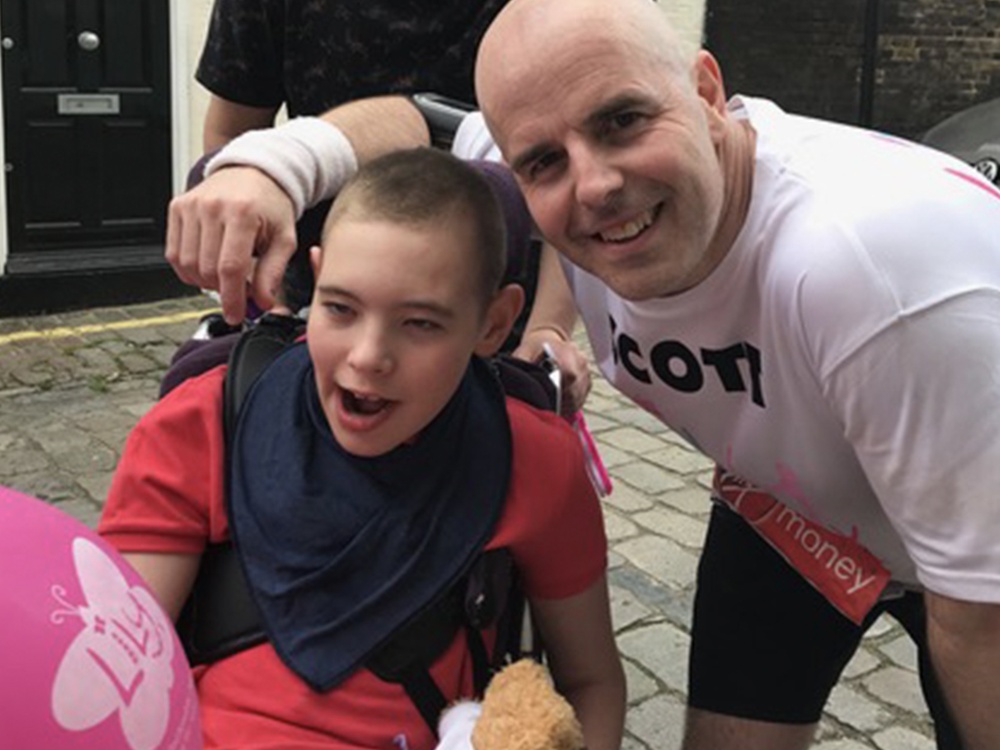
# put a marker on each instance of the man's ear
(499, 319)
(315, 259)
(711, 89)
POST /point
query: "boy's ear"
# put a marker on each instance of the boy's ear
(315, 259)
(499, 319)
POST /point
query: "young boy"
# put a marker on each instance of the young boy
(369, 464)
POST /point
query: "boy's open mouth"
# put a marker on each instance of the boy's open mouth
(356, 403)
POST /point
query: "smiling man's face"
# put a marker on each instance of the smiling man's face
(613, 143)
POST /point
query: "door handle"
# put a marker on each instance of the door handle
(88, 41)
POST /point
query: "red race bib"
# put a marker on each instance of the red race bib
(837, 566)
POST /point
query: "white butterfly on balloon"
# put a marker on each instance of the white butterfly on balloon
(122, 658)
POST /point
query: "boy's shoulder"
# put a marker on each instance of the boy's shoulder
(196, 388)
(540, 431)
(196, 399)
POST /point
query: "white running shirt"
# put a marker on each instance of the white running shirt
(845, 355)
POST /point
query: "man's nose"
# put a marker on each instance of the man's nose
(371, 352)
(596, 179)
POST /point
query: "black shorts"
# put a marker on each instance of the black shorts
(766, 645)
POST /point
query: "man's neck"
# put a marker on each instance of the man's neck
(736, 157)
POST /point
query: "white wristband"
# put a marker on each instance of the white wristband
(309, 158)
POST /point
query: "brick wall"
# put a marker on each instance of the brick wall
(934, 57)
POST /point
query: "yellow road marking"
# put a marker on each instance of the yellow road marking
(117, 325)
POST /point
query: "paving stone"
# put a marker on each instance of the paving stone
(639, 686)
(15, 325)
(58, 436)
(32, 376)
(681, 460)
(93, 457)
(842, 744)
(601, 387)
(901, 738)
(628, 499)
(897, 687)
(598, 424)
(662, 650)
(631, 743)
(626, 609)
(23, 459)
(639, 418)
(161, 353)
(618, 528)
(141, 336)
(138, 363)
(663, 559)
(688, 531)
(851, 707)
(648, 477)
(902, 651)
(96, 485)
(178, 333)
(658, 722)
(632, 440)
(49, 485)
(93, 360)
(692, 500)
(883, 625)
(680, 441)
(861, 663)
(82, 510)
(109, 425)
(603, 405)
(668, 603)
(705, 480)
(611, 456)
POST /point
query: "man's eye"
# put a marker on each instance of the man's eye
(540, 165)
(622, 120)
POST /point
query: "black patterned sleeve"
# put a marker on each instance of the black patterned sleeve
(243, 57)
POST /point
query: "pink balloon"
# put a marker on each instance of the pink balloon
(90, 659)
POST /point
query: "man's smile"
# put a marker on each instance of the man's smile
(630, 229)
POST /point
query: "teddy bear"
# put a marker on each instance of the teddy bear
(520, 710)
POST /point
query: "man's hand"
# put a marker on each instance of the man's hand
(572, 364)
(215, 231)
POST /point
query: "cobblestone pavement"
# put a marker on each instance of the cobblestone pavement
(72, 385)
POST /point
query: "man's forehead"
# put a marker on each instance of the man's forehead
(584, 108)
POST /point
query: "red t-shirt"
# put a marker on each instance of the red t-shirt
(167, 496)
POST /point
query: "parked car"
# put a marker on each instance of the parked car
(973, 135)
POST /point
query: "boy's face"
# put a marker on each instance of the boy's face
(395, 319)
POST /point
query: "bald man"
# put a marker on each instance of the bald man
(816, 308)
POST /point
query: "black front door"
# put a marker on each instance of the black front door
(87, 128)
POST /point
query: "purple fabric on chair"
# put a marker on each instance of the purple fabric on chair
(196, 356)
(515, 210)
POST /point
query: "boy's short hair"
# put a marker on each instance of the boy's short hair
(424, 185)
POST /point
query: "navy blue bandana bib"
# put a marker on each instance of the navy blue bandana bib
(339, 551)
